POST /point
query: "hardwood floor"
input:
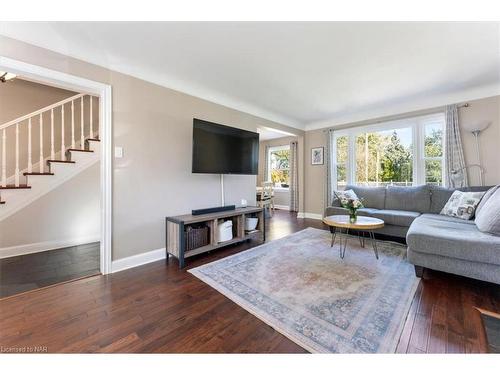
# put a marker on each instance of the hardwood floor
(32, 271)
(159, 308)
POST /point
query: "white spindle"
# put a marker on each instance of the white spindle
(16, 175)
(82, 137)
(4, 159)
(41, 143)
(91, 119)
(62, 133)
(72, 124)
(52, 153)
(30, 165)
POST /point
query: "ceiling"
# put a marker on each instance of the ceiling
(265, 133)
(306, 75)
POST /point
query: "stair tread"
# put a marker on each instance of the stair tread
(78, 150)
(94, 139)
(60, 161)
(38, 174)
(11, 186)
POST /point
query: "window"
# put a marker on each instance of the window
(279, 166)
(384, 158)
(402, 152)
(433, 153)
(341, 147)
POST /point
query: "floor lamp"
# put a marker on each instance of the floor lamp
(476, 133)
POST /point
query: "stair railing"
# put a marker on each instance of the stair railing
(26, 119)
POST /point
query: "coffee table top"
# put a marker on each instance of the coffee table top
(362, 222)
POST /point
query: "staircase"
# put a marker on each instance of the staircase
(45, 148)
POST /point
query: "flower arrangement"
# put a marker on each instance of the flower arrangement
(353, 205)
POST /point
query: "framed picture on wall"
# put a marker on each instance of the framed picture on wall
(317, 155)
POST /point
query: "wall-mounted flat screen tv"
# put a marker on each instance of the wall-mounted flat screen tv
(223, 149)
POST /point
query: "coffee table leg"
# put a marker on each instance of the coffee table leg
(374, 242)
(334, 234)
(361, 237)
(342, 252)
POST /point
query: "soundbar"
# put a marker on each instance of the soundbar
(211, 210)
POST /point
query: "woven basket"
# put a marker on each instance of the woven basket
(196, 237)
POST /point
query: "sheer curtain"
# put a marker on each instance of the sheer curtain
(294, 180)
(266, 167)
(330, 170)
(454, 159)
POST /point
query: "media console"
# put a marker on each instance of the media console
(176, 227)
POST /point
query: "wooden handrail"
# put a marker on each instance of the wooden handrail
(42, 110)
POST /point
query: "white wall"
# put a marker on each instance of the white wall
(69, 214)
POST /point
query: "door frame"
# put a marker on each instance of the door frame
(74, 83)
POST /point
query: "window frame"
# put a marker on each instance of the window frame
(269, 169)
(417, 125)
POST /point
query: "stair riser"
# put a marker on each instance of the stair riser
(94, 146)
(61, 169)
(81, 157)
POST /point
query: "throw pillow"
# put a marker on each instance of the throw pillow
(344, 195)
(488, 219)
(462, 204)
(486, 196)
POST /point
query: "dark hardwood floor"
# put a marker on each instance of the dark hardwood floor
(32, 271)
(159, 308)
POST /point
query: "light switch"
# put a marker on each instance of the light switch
(118, 152)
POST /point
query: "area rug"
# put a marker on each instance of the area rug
(299, 286)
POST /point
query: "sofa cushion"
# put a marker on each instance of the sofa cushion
(439, 196)
(343, 211)
(453, 239)
(396, 217)
(408, 198)
(448, 218)
(462, 204)
(485, 197)
(488, 218)
(373, 197)
(390, 217)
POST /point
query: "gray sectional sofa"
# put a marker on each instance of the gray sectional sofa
(434, 241)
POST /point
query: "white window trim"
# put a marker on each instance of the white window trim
(417, 124)
(268, 177)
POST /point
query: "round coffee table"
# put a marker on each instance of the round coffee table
(362, 224)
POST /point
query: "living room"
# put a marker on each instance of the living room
(268, 194)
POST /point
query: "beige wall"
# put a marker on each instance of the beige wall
(479, 111)
(20, 97)
(69, 212)
(154, 126)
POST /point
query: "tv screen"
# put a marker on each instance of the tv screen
(224, 150)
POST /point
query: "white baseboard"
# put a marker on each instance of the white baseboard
(309, 215)
(12, 251)
(282, 207)
(137, 260)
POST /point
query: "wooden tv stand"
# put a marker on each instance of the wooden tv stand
(176, 225)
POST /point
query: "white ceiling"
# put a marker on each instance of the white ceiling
(306, 75)
(265, 133)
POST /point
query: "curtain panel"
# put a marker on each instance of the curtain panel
(330, 168)
(454, 158)
(294, 178)
(266, 166)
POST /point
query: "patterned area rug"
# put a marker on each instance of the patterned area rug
(300, 287)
